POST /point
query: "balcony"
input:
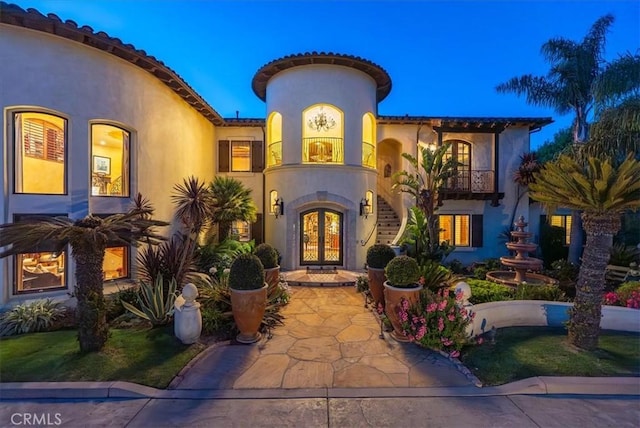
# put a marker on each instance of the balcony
(322, 150)
(469, 184)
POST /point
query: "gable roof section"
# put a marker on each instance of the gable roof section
(12, 14)
(267, 71)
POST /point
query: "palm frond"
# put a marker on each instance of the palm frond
(194, 203)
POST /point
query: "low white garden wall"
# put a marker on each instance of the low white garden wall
(542, 313)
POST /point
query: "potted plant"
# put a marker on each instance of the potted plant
(248, 296)
(378, 256)
(268, 255)
(403, 274)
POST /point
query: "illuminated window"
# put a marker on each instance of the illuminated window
(241, 231)
(110, 161)
(240, 156)
(274, 140)
(455, 229)
(40, 153)
(563, 221)
(322, 140)
(461, 152)
(116, 263)
(368, 140)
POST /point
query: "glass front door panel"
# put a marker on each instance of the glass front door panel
(310, 248)
(321, 239)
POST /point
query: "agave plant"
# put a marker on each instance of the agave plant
(155, 303)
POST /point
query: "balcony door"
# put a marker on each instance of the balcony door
(321, 237)
(461, 152)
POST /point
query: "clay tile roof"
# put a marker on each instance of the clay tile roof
(267, 71)
(12, 14)
(467, 123)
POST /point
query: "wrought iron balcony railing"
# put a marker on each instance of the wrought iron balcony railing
(470, 181)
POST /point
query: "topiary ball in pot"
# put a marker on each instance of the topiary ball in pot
(247, 273)
(403, 272)
(379, 255)
(267, 255)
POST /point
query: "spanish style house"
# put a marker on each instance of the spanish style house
(90, 121)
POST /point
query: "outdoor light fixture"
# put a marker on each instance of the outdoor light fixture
(365, 207)
(278, 207)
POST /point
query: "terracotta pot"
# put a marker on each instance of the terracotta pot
(272, 277)
(248, 308)
(377, 279)
(393, 296)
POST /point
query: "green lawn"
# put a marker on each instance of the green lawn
(522, 352)
(149, 357)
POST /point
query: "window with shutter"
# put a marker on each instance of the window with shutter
(456, 230)
(40, 153)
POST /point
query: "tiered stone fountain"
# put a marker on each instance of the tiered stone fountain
(521, 262)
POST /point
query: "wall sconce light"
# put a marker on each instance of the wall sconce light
(278, 207)
(365, 207)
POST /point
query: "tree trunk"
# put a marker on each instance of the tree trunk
(224, 230)
(93, 329)
(584, 325)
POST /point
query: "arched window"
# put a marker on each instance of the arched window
(274, 140)
(322, 135)
(368, 140)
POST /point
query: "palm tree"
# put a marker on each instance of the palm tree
(602, 192)
(431, 173)
(194, 204)
(578, 73)
(617, 131)
(232, 203)
(88, 238)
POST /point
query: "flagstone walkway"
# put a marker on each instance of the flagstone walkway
(329, 340)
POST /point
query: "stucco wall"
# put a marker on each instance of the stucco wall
(169, 139)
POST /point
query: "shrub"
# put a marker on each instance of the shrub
(623, 255)
(487, 291)
(220, 255)
(402, 272)
(30, 317)
(552, 243)
(437, 321)
(629, 294)
(114, 301)
(457, 267)
(563, 270)
(267, 255)
(213, 320)
(548, 292)
(362, 284)
(480, 273)
(155, 301)
(247, 273)
(433, 275)
(379, 255)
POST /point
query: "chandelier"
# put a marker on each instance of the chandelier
(321, 122)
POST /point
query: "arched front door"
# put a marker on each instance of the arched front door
(321, 239)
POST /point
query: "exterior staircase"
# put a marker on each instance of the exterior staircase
(388, 222)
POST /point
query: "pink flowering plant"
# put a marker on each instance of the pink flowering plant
(437, 321)
(627, 295)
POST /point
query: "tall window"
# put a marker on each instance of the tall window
(40, 270)
(241, 230)
(456, 230)
(40, 153)
(563, 221)
(240, 156)
(109, 161)
(368, 140)
(461, 152)
(274, 139)
(322, 140)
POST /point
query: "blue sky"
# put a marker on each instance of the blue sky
(444, 57)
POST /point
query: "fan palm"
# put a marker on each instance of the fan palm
(578, 79)
(233, 202)
(602, 192)
(88, 238)
(431, 172)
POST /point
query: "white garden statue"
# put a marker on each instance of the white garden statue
(187, 316)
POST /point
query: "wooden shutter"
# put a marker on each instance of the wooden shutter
(476, 230)
(257, 157)
(256, 230)
(223, 156)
